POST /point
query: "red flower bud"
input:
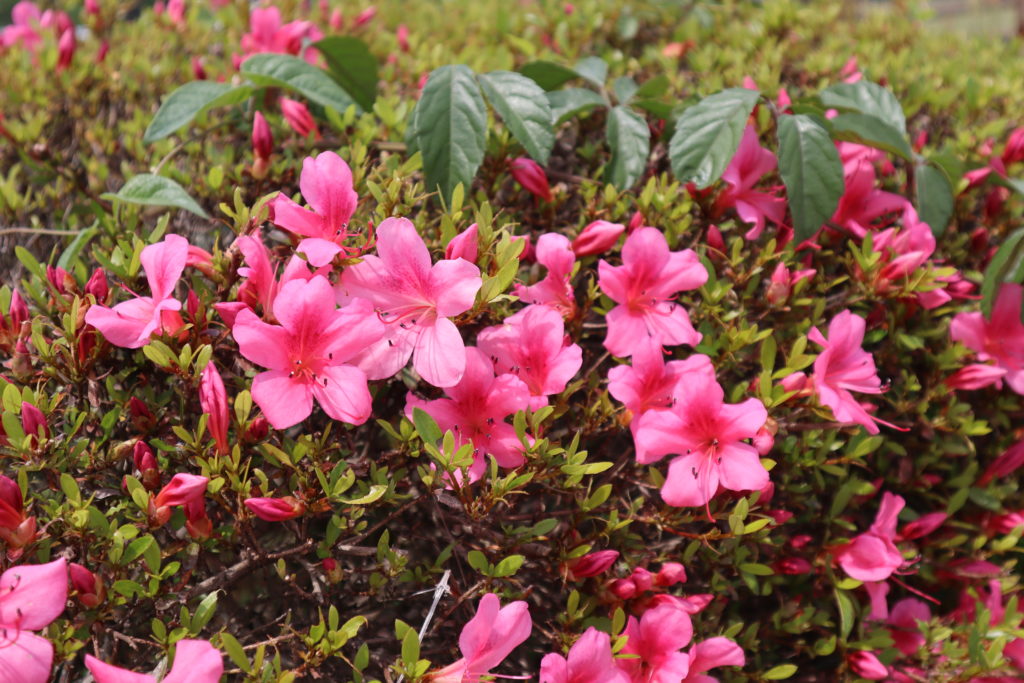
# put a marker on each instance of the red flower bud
(262, 138)
(276, 509)
(623, 589)
(198, 72)
(792, 566)
(531, 176)
(17, 313)
(597, 238)
(366, 16)
(636, 221)
(866, 665)
(337, 21)
(642, 579)
(670, 574)
(402, 34)
(97, 285)
(214, 400)
(34, 423)
(298, 117)
(146, 464)
(65, 49)
(89, 587)
(11, 503)
(61, 279)
(715, 240)
(464, 245)
(593, 564)
(258, 429)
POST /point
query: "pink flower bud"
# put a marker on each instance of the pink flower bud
(197, 524)
(101, 53)
(92, 6)
(198, 72)
(262, 138)
(258, 429)
(276, 509)
(531, 176)
(97, 285)
(670, 574)
(568, 8)
(800, 540)
(593, 564)
(89, 587)
(158, 7)
(794, 382)
(764, 440)
(337, 21)
(623, 589)
(527, 254)
(214, 401)
(1014, 150)
(61, 279)
(792, 566)
(142, 417)
(922, 526)
(782, 100)
(597, 238)
(146, 464)
(333, 570)
(298, 117)
(65, 49)
(17, 313)
(366, 16)
(34, 423)
(779, 285)
(715, 240)
(636, 221)
(464, 245)
(866, 665)
(182, 489)
(402, 34)
(642, 579)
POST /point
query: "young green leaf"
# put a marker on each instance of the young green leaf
(156, 190)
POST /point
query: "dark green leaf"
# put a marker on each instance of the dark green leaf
(425, 426)
(872, 131)
(286, 71)
(352, 66)
(156, 190)
(630, 142)
(570, 102)
(934, 197)
(548, 75)
(708, 134)
(653, 87)
(451, 127)
(867, 98)
(593, 69)
(663, 110)
(1004, 265)
(188, 101)
(524, 108)
(812, 171)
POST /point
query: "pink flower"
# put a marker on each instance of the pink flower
(266, 34)
(298, 117)
(475, 410)
(650, 275)
(530, 175)
(751, 163)
(862, 203)
(416, 300)
(902, 623)
(590, 660)
(843, 366)
(65, 49)
(326, 183)
(555, 290)
(592, 564)
(24, 28)
(650, 383)
(487, 639)
(402, 35)
(261, 286)
(781, 283)
(872, 556)
(657, 639)
(214, 401)
(531, 345)
(998, 341)
(597, 238)
(309, 354)
(464, 245)
(31, 596)
(710, 436)
(195, 661)
(712, 653)
(276, 509)
(867, 665)
(181, 490)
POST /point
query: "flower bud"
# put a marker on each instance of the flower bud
(794, 382)
(258, 429)
(97, 285)
(19, 537)
(65, 49)
(670, 574)
(61, 279)
(592, 564)
(402, 34)
(642, 579)
(89, 587)
(866, 665)
(92, 6)
(146, 464)
(337, 21)
(262, 141)
(366, 16)
(597, 238)
(276, 509)
(1014, 150)
(623, 589)
(34, 423)
(17, 313)
(779, 285)
(923, 525)
(142, 417)
(101, 53)
(214, 401)
(714, 239)
(531, 176)
(298, 117)
(11, 503)
(334, 572)
(636, 221)
(181, 490)
(464, 245)
(764, 440)
(198, 72)
(792, 566)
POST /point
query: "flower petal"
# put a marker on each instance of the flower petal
(342, 392)
(33, 595)
(284, 400)
(440, 354)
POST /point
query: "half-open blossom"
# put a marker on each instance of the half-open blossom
(24, 27)
(873, 556)
(309, 354)
(710, 654)
(276, 509)
(16, 528)
(862, 204)
(130, 324)
(751, 163)
(298, 117)
(867, 665)
(781, 283)
(486, 639)
(656, 639)
(181, 490)
(267, 34)
(902, 623)
(87, 585)
(31, 596)
(326, 184)
(597, 238)
(475, 410)
(530, 175)
(643, 286)
(531, 345)
(416, 299)
(998, 341)
(195, 661)
(843, 366)
(464, 245)
(590, 660)
(214, 401)
(710, 437)
(555, 290)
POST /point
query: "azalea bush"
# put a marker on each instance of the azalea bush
(584, 344)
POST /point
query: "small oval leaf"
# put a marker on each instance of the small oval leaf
(156, 190)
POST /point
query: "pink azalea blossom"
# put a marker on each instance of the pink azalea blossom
(862, 204)
(873, 556)
(709, 435)
(195, 661)
(590, 660)
(751, 163)
(326, 184)
(261, 285)
(656, 640)
(649, 383)
(276, 509)
(555, 290)
(487, 639)
(416, 299)
(183, 489)
(867, 665)
(998, 342)
(710, 654)
(843, 366)
(130, 324)
(597, 238)
(31, 596)
(902, 623)
(309, 354)
(267, 34)
(25, 24)
(475, 410)
(650, 275)
(531, 345)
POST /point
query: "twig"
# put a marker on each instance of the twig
(39, 231)
(439, 591)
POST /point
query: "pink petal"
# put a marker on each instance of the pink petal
(285, 401)
(326, 183)
(108, 673)
(164, 262)
(386, 357)
(402, 249)
(440, 354)
(658, 433)
(195, 661)
(683, 272)
(128, 324)
(28, 659)
(454, 284)
(319, 252)
(296, 219)
(682, 488)
(625, 330)
(740, 468)
(342, 392)
(741, 420)
(353, 328)
(33, 595)
(670, 323)
(263, 344)
(714, 652)
(305, 307)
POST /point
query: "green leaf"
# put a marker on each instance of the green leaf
(375, 492)
(410, 648)
(780, 672)
(565, 104)
(867, 98)
(286, 71)
(234, 649)
(1006, 262)
(624, 88)
(352, 66)
(188, 101)
(653, 87)
(593, 69)
(509, 566)
(451, 127)
(872, 131)
(523, 107)
(156, 190)
(847, 614)
(708, 135)
(934, 197)
(75, 248)
(425, 426)
(630, 141)
(547, 75)
(811, 170)
(204, 612)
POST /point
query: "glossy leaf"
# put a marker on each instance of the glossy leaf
(298, 75)
(630, 142)
(872, 131)
(708, 134)
(548, 75)
(934, 197)
(156, 190)
(867, 98)
(568, 103)
(188, 101)
(523, 107)
(352, 66)
(593, 69)
(1004, 267)
(811, 170)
